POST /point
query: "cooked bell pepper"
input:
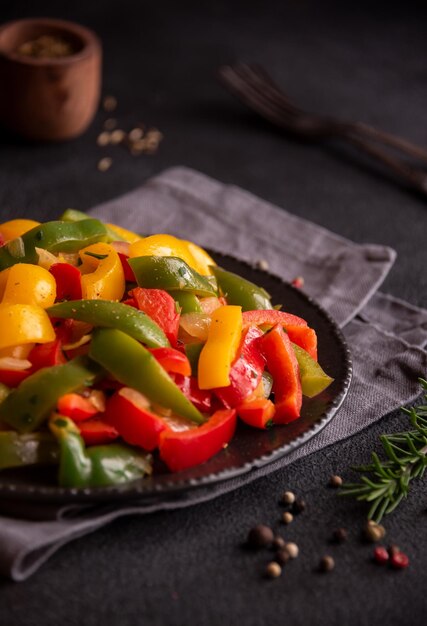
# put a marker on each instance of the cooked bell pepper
(170, 246)
(102, 273)
(132, 365)
(68, 281)
(96, 432)
(201, 398)
(23, 324)
(12, 378)
(29, 284)
(181, 450)
(246, 371)
(16, 228)
(129, 412)
(54, 237)
(78, 407)
(106, 314)
(28, 406)
(188, 302)
(240, 291)
(257, 412)
(220, 348)
(193, 350)
(161, 308)
(297, 328)
(313, 378)
(72, 215)
(127, 270)
(171, 274)
(33, 449)
(173, 361)
(97, 466)
(46, 355)
(283, 366)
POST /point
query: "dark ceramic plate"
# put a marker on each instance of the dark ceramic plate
(249, 449)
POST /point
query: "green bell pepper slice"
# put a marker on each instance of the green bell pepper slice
(96, 466)
(313, 378)
(54, 237)
(72, 215)
(108, 314)
(188, 302)
(133, 365)
(171, 274)
(30, 404)
(192, 351)
(31, 449)
(242, 292)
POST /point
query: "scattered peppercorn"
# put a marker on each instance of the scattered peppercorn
(260, 536)
(103, 139)
(335, 481)
(117, 136)
(105, 164)
(393, 549)
(399, 560)
(374, 532)
(298, 506)
(298, 282)
(287, 517)
(135, 134)
(110, 123)
(273, 570)
(288, 497)
(380, 555)
(340, 535)
(278, 543)
(109, 103)
(326, 564)
(282, 556)
(292, 549)
(263, 264)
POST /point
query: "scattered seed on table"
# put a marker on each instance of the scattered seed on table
(282, 556)
(288, 497)
(103, 138)
(135, 134)
(340, 535)
(292, 549)
(110, 123)
(326, 564)
(273, 570)
(109, 103)
(117, 136)
(298, 282)
(263, 264)
(381, 555)
(374, 532)
(260, 536)
(287, 517)
(298, 506)
(105, 164)
(278, 543)
(399, 560)
(335, 481)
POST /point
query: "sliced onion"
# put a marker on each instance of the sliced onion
(196, 324)
(121, 246)
(178, 424)
(10, 363)
(81, 342)
(46, 259)
(210, 304)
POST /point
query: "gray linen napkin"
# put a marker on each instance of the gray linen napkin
(386, 336)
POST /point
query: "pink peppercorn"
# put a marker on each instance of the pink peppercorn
(381, 555)
(399, 560)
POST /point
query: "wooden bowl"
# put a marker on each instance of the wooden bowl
(49, 99)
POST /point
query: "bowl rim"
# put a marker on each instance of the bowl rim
(91, 42)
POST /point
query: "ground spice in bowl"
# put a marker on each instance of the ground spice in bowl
(46, 47)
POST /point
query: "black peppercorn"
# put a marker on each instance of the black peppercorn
(340, 535)
(282, 556)
(298, 506)
(278, 543)
(260, 536)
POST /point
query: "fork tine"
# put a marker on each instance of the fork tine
(259, 78)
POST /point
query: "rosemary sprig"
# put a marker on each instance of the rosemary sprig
(387, 482)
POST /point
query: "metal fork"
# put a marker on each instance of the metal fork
(255, 87)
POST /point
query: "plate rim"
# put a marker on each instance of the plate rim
(144, 490)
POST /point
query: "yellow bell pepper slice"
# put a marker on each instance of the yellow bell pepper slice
(24, 323)
(102, 273)
(127, 235)
(28, 284)
(16, 228)
(221, 347)
(168, 245)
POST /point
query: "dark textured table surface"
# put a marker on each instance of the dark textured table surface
(367, 63)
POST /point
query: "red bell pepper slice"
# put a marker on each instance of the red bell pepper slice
(257, 412)
(46, 355)
(68, 281)
(161, 307)
(172, 360)
(96, 432)
(64, 329)
(128, 411)
(127, 270)
(246, 371)
(283, 366)
(77, 407)
(296, 327)
(201, 398)
(181, 450)
(12, 378)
